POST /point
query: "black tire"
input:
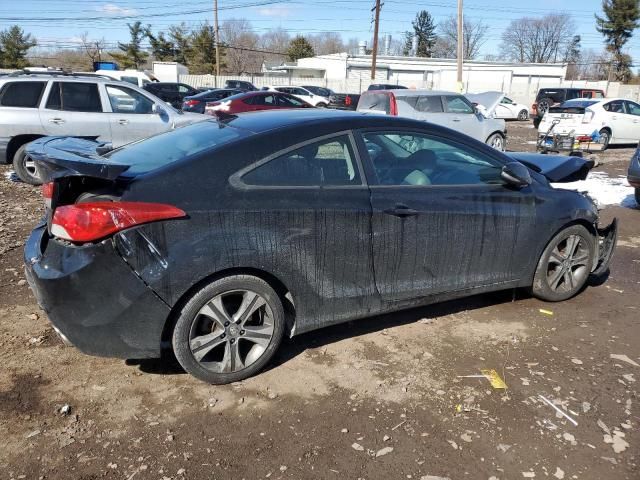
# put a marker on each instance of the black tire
(321, 105)
(556, 262)
(537, 121)
(523, 115)
(22, 164)
(189, 327)
(605, 138)
(497, 141)
(638, 196)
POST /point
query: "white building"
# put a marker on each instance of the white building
(517, 79)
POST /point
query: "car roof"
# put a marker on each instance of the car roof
(303, 119)
(405, 92)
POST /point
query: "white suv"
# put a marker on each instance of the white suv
(303, 94)
(34, 105)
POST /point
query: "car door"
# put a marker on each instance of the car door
(443, 220)
(617, 120)
(132, 116)
(461, 116)
(505, 109)
(633, 112)
(309, 204)
(76, 109)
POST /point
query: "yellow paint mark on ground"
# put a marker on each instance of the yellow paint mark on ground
(495, 379)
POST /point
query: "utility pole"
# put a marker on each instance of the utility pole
(217, 37)
(460, 45)
(375, 40)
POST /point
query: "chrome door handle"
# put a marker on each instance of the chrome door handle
(57, 121)
(122, 121)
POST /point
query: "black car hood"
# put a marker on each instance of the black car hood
(57, 157)
(556, 168)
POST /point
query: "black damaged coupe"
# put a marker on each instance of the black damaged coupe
(200, 239)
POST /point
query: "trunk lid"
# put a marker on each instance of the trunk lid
(486, 102)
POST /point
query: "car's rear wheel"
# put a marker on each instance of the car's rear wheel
(496, 141)
(605, 138)
(523, 115)
(25, 167)
(565, 265)
(543, 106)
(321, 105)
(537, 121)
(229, 329)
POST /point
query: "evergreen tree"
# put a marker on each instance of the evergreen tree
(161, 47)
(202, 54)
(14, 45)
(132, 55)
(181, 39)
(425, 29)
(299, 48)
(617, 24)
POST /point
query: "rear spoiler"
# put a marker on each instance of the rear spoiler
(57, 157)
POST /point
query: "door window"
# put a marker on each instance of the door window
(268, 100)
(126, 100)
(183, 89)
(457, 104)
(74, 97)
(633, 108)
(616, 106)
(21, 94)
(288, 101)
(324, 163)
(429, 104)
(133, 80)
(407, 158)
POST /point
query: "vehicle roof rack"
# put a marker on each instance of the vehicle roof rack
(57, 73)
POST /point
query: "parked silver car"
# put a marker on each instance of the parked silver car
(448, 109)
(38, 105)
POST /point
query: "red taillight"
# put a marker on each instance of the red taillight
(47, 193)
(191, 103)
(393, 105)
(347, 100)
(88, 222)
(534, 108)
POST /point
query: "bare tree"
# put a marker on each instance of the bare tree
(474, 37)
(327, 42)
(240, 44)
(538, 40)
(276, 40)
(92, 47)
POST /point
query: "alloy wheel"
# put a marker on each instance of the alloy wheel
(568, 264)
(497, 142)
(231, 331)
(523, 115)
(30, 165)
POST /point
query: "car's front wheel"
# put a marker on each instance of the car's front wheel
(25, 167)
(565, 265)
(229, 329)
(523, 115)
(496, 141)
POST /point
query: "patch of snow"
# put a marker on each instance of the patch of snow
(604, 190)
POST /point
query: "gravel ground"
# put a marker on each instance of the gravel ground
(385, 397)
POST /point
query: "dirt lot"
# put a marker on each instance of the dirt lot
(377, 398)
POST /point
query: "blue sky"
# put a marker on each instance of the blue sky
(60, 22)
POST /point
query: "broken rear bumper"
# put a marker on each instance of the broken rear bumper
(606, 244)
(93, 298)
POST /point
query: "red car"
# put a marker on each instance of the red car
(253, 101)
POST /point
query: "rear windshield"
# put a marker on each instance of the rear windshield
(375, 101)
(572, 106)
(166, 148)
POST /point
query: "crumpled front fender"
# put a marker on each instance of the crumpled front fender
(607, 239)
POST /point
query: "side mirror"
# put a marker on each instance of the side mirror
(158, 110)
(516, 174)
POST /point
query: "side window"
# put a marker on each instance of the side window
(299, 91)
(616, 106)
(633, 108)
(21, 94)
(268, 100)
(183, 89)
(126, 100)
(287, 101)
(133, 80)
(429, 104)
(457, 104)
(329, 162)
(76, 97)
(407, 158)
(54, 102)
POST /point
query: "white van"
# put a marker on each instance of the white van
(132, 76)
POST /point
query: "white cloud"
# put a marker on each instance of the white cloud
(275, 11)
(111, 9)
